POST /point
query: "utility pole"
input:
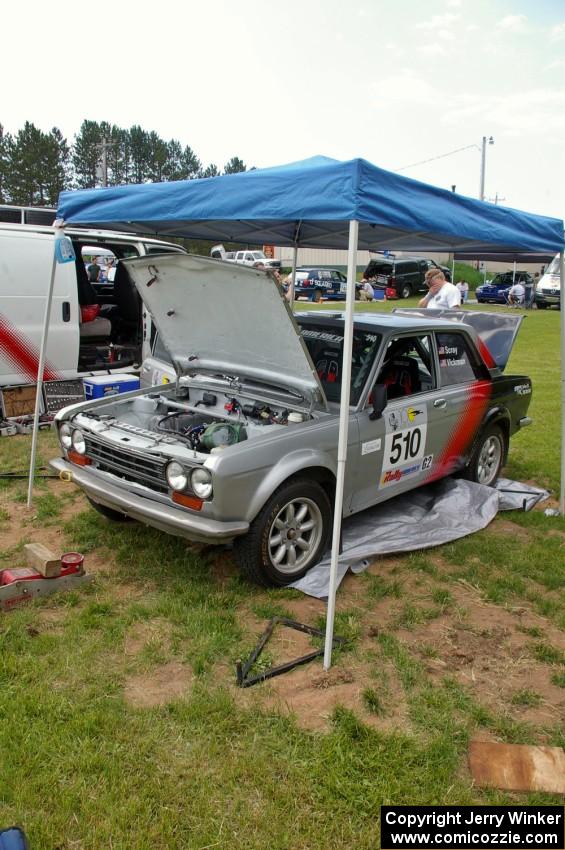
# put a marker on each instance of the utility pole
(496, 199)
(104, 147)
(490, 140)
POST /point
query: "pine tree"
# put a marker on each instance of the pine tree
(234, 166)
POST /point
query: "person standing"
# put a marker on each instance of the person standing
(94, 271)
(463, 288)
(442, 294)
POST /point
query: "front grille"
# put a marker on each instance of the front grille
(128, 465)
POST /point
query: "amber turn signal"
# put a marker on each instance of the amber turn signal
(80, 460)
(187, 501)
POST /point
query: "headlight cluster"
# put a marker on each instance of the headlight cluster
(72, 438)
(200, 479)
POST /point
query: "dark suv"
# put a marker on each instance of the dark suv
(402, 277)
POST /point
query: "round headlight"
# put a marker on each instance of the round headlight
(77, 442)
(177, 478)
(65, 435)
(201, 483)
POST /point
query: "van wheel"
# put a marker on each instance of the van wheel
(288, 536)
(406, 291)
(488, 456)
(541, 306)
(109, 513)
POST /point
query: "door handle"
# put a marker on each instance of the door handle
(440, 402)
(66, 311)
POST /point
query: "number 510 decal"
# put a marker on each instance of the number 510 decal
(405, 444)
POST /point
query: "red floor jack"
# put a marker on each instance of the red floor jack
(22, 584)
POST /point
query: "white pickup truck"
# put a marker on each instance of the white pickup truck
(246, 258)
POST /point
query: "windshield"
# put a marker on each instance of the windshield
(325, 346)
(259, 255)
(553, 267)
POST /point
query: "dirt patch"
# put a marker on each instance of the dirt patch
(162, 685)
(506, 528)
(487, 654)
(142, 634)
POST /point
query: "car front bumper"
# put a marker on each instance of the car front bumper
(167, 518)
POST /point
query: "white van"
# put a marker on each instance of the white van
(96, 325)
(548, 289)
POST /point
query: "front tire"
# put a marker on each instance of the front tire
(288, 536)
(109, 513)
(488, 456)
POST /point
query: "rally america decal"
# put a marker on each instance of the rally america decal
(404, 453)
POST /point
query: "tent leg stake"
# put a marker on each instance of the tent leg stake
(242, 668)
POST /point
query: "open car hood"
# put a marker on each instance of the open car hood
(495, 330)
(216, 317)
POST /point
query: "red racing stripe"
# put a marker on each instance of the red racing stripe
(22, 354)
(485, 353)
(464, 430)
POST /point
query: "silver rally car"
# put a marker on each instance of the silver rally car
(243, 446)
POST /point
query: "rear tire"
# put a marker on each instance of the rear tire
(288, 536)
(406, 291)
(109, 513)
(488, 456)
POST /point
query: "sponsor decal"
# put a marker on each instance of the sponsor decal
(405, 444)
(371, 446)
(523, 389)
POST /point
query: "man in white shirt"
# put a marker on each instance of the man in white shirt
(516, 294)
(442, 294)
(366, 293)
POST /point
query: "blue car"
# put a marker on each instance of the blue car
(320, 283)
(494, 292)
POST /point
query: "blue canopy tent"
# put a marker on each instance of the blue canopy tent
(320, 202)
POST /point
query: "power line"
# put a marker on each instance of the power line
(433, 158)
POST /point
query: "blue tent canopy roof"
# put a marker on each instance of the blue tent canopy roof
(311, 203)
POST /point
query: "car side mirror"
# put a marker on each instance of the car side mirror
(379, 400)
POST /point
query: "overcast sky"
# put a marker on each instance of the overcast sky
(394, 81)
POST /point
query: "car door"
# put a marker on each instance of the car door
(463, 397)
(398, 450)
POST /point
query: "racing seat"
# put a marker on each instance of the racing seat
(327, 367)
(401, 377)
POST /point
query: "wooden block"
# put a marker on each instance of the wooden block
(516, 767)
(43, 560)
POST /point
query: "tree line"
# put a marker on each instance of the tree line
(36, 166)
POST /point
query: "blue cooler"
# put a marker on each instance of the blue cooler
(102, 386)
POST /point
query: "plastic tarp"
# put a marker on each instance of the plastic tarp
(311, 203)
(430, 516)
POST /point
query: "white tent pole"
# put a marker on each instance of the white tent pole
(514, 273)
(343, 431)
(40, 369)
(562, 290)
(293, 284)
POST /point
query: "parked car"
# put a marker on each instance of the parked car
(548, 290)
(243, 446)
(253, 258)
(402, 277)
(495, 291)
(317, 283)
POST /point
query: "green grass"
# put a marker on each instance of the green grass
(221, 767)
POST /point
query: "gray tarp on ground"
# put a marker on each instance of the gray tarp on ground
(429, 516)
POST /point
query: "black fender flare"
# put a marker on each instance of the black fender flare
(498, 415)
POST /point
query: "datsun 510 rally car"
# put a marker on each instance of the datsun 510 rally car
(242, 447)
